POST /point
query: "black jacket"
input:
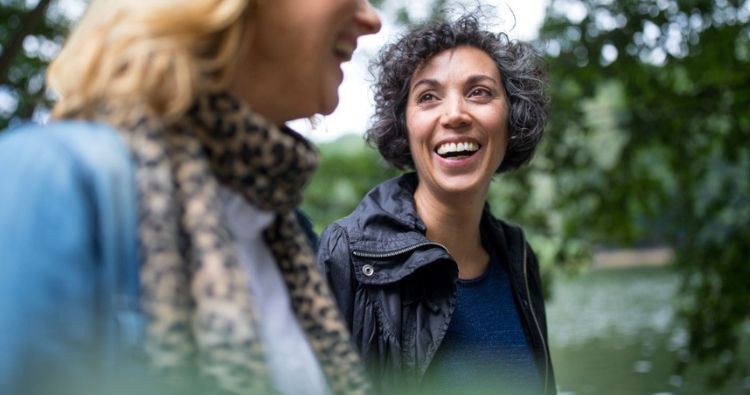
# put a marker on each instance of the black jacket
(396, 289)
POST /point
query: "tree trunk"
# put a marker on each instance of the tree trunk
(28, 25)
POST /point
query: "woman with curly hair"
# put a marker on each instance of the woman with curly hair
(439, 295)
(151, 226)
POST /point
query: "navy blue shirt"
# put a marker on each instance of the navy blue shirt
(485, 349)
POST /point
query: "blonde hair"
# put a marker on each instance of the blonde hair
(157, 53)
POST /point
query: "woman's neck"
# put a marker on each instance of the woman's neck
(455, 224)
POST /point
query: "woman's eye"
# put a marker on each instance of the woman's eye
(425, 97)
(480, 92)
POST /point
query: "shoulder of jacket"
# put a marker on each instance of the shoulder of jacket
(94, 146)
(346, 226)
(331, 238)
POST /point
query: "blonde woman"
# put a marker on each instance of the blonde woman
(150, 227)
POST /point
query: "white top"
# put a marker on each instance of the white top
(293, 367)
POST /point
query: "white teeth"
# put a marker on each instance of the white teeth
(460, 147)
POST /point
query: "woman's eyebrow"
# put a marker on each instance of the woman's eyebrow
(473, 79)
(426, 81)
(479, 78)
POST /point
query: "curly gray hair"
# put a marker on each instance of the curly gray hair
(522, 69)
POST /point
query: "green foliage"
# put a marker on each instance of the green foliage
(348, 170)
(660, 90)
(30, 35)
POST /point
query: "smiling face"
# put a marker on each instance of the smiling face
(296, 48)
(457, 116)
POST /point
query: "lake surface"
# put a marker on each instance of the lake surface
(612, 332)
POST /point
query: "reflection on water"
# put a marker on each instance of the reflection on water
(612, 332)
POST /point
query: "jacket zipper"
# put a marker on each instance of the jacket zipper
(536, 322)
(389, 254)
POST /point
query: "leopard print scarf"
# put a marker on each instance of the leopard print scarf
(195, 292)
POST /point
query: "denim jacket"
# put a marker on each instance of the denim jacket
(70, 318)
(68, 259)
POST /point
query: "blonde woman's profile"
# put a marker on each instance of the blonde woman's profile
(148, 236)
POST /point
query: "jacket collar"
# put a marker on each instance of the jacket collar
(386, 220)
(386, 232)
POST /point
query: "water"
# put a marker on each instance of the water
(612, 332)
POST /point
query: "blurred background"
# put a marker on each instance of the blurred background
(637, 202)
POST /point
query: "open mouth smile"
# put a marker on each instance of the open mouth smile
(457, 150)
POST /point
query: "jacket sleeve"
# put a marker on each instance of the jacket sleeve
(334, 260)
(48, 260)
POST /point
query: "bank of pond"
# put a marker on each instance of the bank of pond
(612, 332)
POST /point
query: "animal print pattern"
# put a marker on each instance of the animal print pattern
(316, 310)
(195, 290)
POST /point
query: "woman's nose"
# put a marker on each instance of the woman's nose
(455, 115)
(367, 19)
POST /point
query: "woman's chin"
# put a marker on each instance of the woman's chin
(328, 104)
(460, 187)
